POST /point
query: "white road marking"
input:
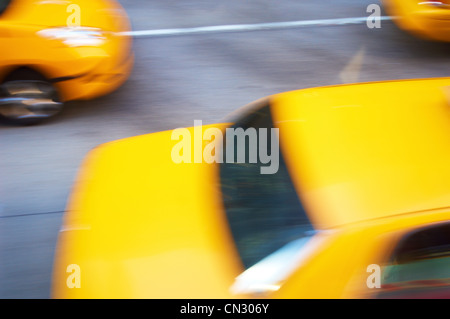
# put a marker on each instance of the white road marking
(250, 27)
(350, 73)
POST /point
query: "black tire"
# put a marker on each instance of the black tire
(28, 98)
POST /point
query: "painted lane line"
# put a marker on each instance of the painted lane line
(250, 27)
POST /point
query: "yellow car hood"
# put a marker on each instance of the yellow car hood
(105, 14)
(140, 226)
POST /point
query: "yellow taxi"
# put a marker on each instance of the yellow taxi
(332, 192)
(58, 51)
(426, 19)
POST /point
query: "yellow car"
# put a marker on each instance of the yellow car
(348, 196)
(58, 51)
(426, 19)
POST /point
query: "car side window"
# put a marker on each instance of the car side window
(419, 266)
(3, 5)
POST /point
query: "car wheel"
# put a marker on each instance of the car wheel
(28, 101)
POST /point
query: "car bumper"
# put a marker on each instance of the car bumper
(101, 80)
(425, 21)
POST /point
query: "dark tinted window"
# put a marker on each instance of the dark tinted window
(263, 210)
(420, 265)
(3, 5)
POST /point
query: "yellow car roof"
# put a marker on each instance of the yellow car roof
(365, 151)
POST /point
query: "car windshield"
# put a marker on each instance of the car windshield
(265, 215)
(3, 5)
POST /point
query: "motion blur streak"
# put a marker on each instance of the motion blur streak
(57, 60)
(208, 225)
(250, 27)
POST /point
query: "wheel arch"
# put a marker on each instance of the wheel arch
(24, 72)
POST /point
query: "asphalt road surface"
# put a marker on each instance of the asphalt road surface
(178, 79)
